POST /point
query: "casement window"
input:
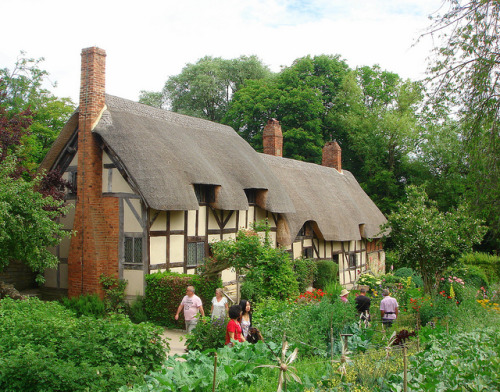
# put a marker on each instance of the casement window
(308, 252)
(306, 231)
(133, 250)
(251, 196)
(195, 253)
(335, 258)
(204, 193)
(352, 260)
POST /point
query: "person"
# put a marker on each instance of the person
(343, 295)
(233, 329)
(246, 317)
(388, 309)
(219, 305)
(191, 304)
(363, 304)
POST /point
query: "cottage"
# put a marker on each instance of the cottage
(154, 188)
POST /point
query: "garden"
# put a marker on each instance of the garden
(445, 338)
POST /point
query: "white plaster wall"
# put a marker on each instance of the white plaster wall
(176, 248)
(232, 221)
(242, 219)
(160, 222)
(50, 275)
(191, 229)
(176, 220)
(228, 275)
(118, 184)
(202, 219)
(63, 276)
(297, 250)
(158, 250)
(212, 222)
(68, 220)
(179, 270)
(131, 224)
(135, 284)
(64, 247)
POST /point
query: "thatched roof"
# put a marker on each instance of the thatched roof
(165, 153)
(333, 200)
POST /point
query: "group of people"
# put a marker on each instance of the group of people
(239, 327)
(389, 308)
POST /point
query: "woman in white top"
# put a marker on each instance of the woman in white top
(246, 317)
(219, 305)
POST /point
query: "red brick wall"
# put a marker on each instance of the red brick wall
(94, 248)
(272, 138)
(332, 156)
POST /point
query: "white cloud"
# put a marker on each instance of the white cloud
(149, 40)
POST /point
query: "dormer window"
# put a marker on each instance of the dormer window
(204, 193)
(305, 230)
(251, 196)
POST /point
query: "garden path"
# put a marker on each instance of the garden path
(176, 345)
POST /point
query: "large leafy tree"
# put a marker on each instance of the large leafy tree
(429, 240)
(303, 97)
(380, 131)
(205, 88)
(465, 75)
(23, 87)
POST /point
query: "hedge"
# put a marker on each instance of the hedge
(327, 272)
(165, 290)
(489, 264)
(45, 347)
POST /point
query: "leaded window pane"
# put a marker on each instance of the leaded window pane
(129, 250)
(200, 255)
(137, 250)
(191, 253)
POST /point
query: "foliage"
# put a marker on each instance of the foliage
(463, 361)
(23, 89)
(114, 292)
(268, 271)
(46, 348)
(311, 296)
(305, 270)
(236, 369)
(406, 272)
(85, 305)
(327, 271)
(205, 88)
(464, 76)
(137, 311)
(208, 334)
(373, 282)
(489, 264)
(307, 325)
(471, 274)
(165, 290)
(429, 240)
(27, 222)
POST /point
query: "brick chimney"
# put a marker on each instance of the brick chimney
(332, 156)
(94, 248)
(272, 138)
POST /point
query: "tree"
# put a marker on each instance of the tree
(303, 97)
(428, 240)
(28, 223)
(205, 88)
(380, 130)
(22, 89)
(465, 76)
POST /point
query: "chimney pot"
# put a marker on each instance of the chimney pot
(272, 138)
(332, 156)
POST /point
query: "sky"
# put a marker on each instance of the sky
(147, 41)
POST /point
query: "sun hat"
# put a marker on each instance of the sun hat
(344, 292)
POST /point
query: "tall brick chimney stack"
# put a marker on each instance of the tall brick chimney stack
(272, 138)
(94, 248)
(332, 156)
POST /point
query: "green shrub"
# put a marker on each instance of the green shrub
(45, 347)
(114, 293)
(305, 271)
(165, 290)
(406, 272)
(208, 334)
(86, 305)
(463, 361)
(307, 325)
(137, 311)
(489, 264)
(472, 275)
(327, 271)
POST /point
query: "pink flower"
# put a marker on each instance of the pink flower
(442, 279)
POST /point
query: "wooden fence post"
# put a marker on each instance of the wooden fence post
(215, 372)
